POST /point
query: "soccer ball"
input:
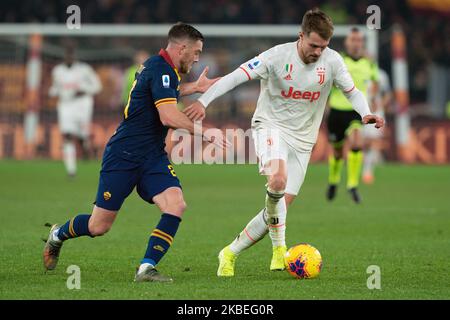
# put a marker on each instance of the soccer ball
(303, 261)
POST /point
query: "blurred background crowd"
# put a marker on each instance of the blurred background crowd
(425, 22)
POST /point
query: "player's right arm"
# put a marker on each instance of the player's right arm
(165, 100)
(343, 80)
(171, 117)
(256, 68)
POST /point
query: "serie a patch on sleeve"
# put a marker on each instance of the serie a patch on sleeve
(166, 81)
(253, 64)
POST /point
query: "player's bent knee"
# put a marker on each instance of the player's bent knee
(176, 206)
(171, 201)
(278, 182)
(101, 221)
(99, 229)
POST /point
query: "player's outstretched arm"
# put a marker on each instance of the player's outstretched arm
(360, 105)
(196, 111)
(200, 86)
(171, 117)
(343, 80)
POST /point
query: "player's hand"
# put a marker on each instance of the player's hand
(79, 94)
(203, 83)
(217, 137)
(371, 118)
(195, 112)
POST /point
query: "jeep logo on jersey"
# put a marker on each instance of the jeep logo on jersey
(297, 94)
(254, 64)
(166, 81)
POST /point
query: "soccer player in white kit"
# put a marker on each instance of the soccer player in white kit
(296, 79)
(74, 83)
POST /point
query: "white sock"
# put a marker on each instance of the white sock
(70, 157)
(55, 235)
(276, 212)
(255, 230)
(144, 266)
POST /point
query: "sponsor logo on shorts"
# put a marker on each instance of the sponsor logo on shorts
(106, 195)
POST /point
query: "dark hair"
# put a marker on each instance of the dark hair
(317, 21)
(182, 30)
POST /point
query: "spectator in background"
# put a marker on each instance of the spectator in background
(336, 11)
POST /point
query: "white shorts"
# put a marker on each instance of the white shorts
(75, 119)
(270, 145)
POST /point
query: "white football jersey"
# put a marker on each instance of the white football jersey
(68, 80)
(294, 94)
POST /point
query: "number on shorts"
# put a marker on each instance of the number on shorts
(172, 170)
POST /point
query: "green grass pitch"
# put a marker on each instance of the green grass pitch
(403, 226)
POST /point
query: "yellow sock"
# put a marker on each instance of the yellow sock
(354, 164)
(334, 169)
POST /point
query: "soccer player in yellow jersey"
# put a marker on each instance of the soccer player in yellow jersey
(344, 124)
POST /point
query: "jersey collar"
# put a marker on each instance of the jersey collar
(163, 53)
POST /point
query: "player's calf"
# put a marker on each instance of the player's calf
(101, 221)
(92, 225)
(276, 206)
(172, 205)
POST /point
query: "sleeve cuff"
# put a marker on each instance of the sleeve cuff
(164, 101)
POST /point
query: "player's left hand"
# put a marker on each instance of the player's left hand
(203, 83)
(371, 118)
(195, 112)
(217, 137)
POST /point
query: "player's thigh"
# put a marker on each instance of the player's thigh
(271, 150)
(353, 130)
(297, 166)
(355, 136)
(117, 180)
(336, 126)
(67, 121)
(158, 175)
(84, 120)
(276, 170)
